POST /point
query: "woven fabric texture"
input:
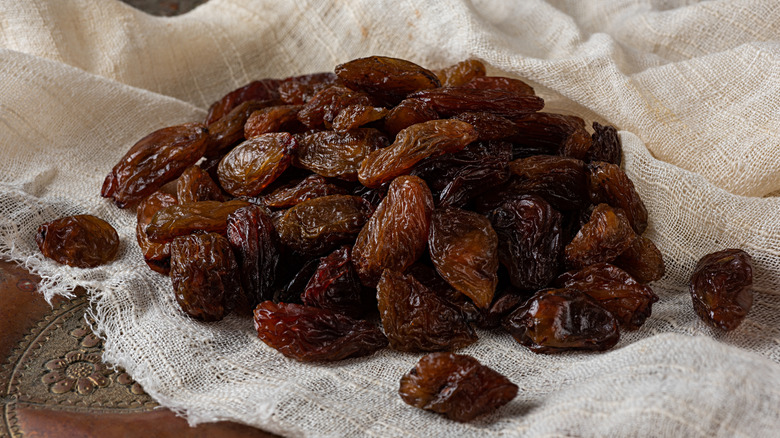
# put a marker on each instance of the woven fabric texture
(694, 88)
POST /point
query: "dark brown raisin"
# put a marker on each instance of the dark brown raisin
(606, 145)
(642, 260)
(396, 235)
(720, 288)
(609, 184)
(196, 185)
(461, 73)
(313, 186)
(355, 116)
(155, 160)
(556, 320)
(255, 163)
(407, 113)
(411, 146)
(464, 249)
(449, 101)
(388, 79)
(179, 220)
(545, 132)
(416, 319)
(561, 181)
(273, 119)
(311, 334)
(489, 126)
(265, 89)
(252, 234)
(500, 83)
(319, 225)
(322, 109)
(606, 235)
(336, 286)
(334, 154)
(297, 90)
(83, 241)
(229, 130)
(615, 290)
(156, 255)
(205, 276)
(455, 385)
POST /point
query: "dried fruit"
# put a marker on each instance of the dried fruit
(455, 385)
(156, 255)
(449, 101)
(355, 116)
(488, 126)
(388, 79)
(196, 185)
(335, 285)
(555, 320)
(297, 90)
(311, 334)
(529, 240)
(642, 260)
(252, 234)
(205, 276)
(395, 236)
(606, 235)
(322, 109)
(229, 130)
(82, 241)
(334, 154)
(609, 184)
(492, 317)
(416, 319)
(545, 132)
(500, 83)
(273, 119)
(461, 73)
(180, 220)
(431, 279)
(412, 145)
(561, 181)
(255, 163)
(605, 145)
(155, 160)
(265, 89)
(321, 224)
(407, 113)
(313, 186)
(464, 249)
(615, 290)
(720, 288)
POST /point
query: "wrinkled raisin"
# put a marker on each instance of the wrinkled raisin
(642, 260)
(606, 235)
(720, 288)
(253, 237)
(196, 185)
(609, 184)
(255, 163)
(334, 154)
(83, 241)
(461, 73)
(156, 255)
(179, 220)
(388, 79)
(336, 286)
(313, 186)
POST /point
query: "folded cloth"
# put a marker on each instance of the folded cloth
(694, 88)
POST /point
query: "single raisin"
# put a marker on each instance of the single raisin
(720, 288)
(388, 79)
(643, 260)
(156, 255)
(336, 286)
(255, 163)
(229, 130)
(606, 235)
(311, 334)
(82, 241)
(265, 89)
(461, 73)
(545, 132)
(606, 145)
(561, 181)
(449, 101)
(322, 109)
(455, 385)
(196, 185)
(297, 90)
(179, 220)
(609, 184)
(273, 119)
(252, 234)
(500, 83)
(313, 186)
(334, 154)
(488, 126)
(407, 113)
(355, 116)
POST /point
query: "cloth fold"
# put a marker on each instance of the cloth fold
(694, 88)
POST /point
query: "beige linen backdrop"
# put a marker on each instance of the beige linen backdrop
(694, 88)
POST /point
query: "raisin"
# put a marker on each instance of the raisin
(561, 181)
(156, 255)
(292, 287)
(82, 241)
(273, 119)
(155, 160)
(388, 79)
(530, 240)
(255, 163)
(407, 113)
(455, 385)
(334, 154)
(606, 145)
(311, 334)
(449, 101)
(609, 184)
(411, 146)
(464, 249)
(492, 317)
(205, 276)
(431, 279)
(488, 126)
(322, 109)
(615, 290)
(229, 130)
(396, 235)
(720, 288)
(265, 89)
(319, 225)
(252, 234)
(461, 73)
(196, 185)
(500, 83)
(313, 186)
(355, 116)
(545, 132)
(642, 260)
(179, 220)
(556, 320)
(297, 90)
(606, 235)
(416, 319)
(336, 286)
(577, 145)
(471, 181)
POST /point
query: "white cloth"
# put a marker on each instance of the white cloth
(694, 88)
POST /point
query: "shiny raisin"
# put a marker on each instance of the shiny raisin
(228, 131)
(196, 185)
(313, 186)
(265, 89)
(500, 83)
(388, 79)
(449, 101)
(336, 286)
(461, 73)
(334, 154)
(720, 288)
(609, 184)
(255, 163)
(355, 116)
(82, 241)
(273, 119)
(606, 145)
(297, 90)
(407, 113)
(322, 109)
(252, 234)
(643, 260)
(606, 235)
(156, 255)
(180, 220)
(561, 181)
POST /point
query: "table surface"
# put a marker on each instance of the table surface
(52, 381)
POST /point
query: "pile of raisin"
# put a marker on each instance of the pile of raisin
(432, 202)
